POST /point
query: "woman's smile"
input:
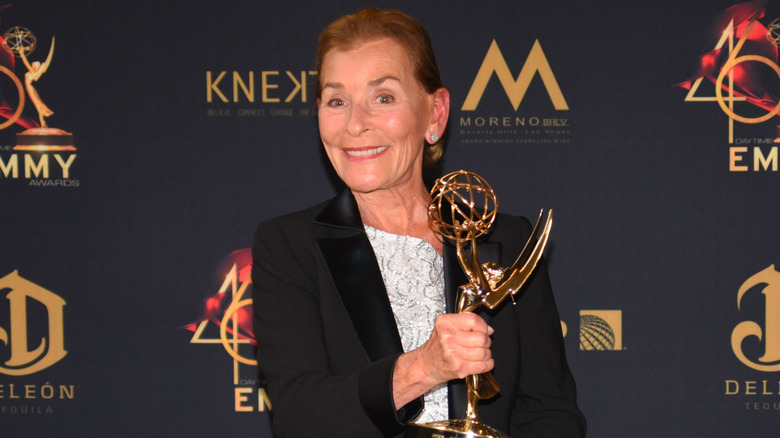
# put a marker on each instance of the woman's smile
(365, 153)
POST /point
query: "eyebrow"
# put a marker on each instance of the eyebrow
(335, 85)
(374, 82)
(380, 81)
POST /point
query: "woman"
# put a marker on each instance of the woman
(351, 296)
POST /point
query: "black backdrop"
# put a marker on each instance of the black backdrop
(661, 215)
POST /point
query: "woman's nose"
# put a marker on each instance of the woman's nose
(359, 119)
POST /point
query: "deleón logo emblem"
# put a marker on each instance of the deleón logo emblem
(51, 349)
(601, 330)
(515, 89)
(769, 334)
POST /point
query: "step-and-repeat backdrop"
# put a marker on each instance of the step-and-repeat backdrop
(174, 127)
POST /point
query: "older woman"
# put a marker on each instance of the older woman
(351, 296)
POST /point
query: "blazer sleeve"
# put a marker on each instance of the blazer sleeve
(546, 402)
(308, 398)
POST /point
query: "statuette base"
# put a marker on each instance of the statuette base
(453, 429)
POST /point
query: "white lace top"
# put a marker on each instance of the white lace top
(413, 273)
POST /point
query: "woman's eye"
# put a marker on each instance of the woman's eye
(384, 99)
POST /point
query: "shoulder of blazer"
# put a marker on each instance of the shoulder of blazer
(341, 212)
(354, 271)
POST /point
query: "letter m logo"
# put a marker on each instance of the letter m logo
(515, 89)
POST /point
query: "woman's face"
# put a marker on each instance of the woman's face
(374, 116)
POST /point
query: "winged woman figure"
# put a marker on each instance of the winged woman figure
(34, 72)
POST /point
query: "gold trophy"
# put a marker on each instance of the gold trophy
(463, 207)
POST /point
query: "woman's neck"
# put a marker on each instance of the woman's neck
(402, 212)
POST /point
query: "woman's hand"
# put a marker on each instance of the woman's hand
(458, 346)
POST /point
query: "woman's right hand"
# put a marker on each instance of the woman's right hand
(458, 346)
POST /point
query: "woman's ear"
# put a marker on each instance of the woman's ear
(441, 111)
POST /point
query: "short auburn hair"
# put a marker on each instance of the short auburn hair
(368, 25)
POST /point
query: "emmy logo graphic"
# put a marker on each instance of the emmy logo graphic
(769, 334)
(19, 42)
(745, 53)
(227, 321)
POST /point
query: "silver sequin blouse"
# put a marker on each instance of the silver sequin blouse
(413, 273)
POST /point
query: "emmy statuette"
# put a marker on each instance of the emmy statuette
(20, 42)
(463, 207)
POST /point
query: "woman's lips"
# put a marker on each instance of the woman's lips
(368, 152)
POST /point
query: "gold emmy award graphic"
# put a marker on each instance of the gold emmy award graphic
(463, 207)
(773, 35)
(20, 42)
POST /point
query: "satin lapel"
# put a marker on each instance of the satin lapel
(355, 274)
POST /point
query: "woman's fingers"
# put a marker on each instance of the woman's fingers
(459, 346)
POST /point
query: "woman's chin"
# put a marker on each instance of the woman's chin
(363, 186)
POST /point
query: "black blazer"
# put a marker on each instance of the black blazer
(327, 339)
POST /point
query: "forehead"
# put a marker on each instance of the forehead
(384, 56)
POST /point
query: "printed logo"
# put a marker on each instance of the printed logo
(766, 282)
(601, 330)
(21, 296)
(734, 65)
(41, 153)
(20, 42)
(515, 89)
(279, 94)
(228, 319)
(536, 124)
